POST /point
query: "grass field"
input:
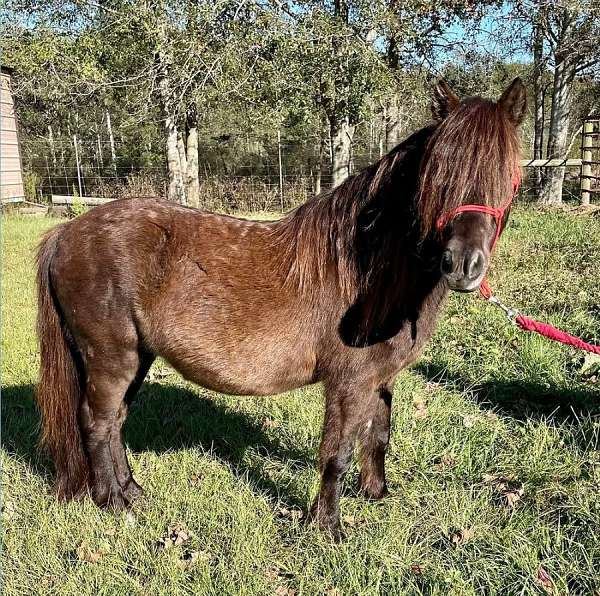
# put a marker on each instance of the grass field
(494, 464)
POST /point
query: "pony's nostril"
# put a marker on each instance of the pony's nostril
(475, 265)
(447, 262)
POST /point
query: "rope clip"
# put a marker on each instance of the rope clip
(511, 313)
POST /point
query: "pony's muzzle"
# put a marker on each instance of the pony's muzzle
(463, 270)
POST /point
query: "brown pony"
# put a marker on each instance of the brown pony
(345, 290)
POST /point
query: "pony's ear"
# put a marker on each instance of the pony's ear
(514, 101)
(443, 100)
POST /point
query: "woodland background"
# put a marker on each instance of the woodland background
(258, 104)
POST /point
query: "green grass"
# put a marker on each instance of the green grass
(495, 474)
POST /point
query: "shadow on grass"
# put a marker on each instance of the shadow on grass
(525, 401)
(519, 399)
(166, 418)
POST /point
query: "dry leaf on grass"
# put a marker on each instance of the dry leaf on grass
(420, 408)
(349, 520)
(87, 554)
(269, 423)
(461, 536)
(416, 569)
(469, 420)
(190, 558)
(508, 488)
(447, 461)
(130, 519)
(195, 479)
(175, 536)
(544, 580)
(292, 514)
(8, 510)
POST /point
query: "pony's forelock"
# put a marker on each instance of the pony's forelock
(472, 157)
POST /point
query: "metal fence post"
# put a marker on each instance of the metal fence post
(280, 168)
(78, 168)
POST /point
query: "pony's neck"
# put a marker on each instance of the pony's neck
(361, 232)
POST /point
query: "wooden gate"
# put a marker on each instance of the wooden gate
(590, 160)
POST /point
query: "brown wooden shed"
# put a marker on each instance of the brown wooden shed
(11, 169)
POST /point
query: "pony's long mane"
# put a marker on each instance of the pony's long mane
(472, 157)
(328, 233)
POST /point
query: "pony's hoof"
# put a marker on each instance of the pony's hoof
(328, 524)
(112, 499)
(132, 491)
(373, 490)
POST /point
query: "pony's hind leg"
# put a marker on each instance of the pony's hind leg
(131, 489)
(374, 441)
(108, 380)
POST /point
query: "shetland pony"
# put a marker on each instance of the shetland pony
(345, 290)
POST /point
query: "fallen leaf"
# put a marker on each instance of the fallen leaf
(190, 558)
(447, 461)
(269, 423)
(544, 580)
(512, 496)
(509, 489)
(349, 520)
(461, 536)
(591, 365)
(175, 536)
(195, 479)
(8, 509)
(130, 519)
(293, 514)
(420, 408)
(469, 420)
(417, 569)
(87, 554)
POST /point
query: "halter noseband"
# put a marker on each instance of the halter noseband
(496, 212)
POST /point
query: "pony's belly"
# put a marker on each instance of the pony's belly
(229, 359)
(243, 374)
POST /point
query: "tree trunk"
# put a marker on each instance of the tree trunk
(182, 156)
(192, 177)
(392, 123)
(392, 107)
(564, 74)
(342, 133)
(111, 139)
(176, 191)
(538, 90)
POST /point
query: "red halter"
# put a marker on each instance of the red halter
(497, 213)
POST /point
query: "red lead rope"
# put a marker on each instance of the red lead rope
(525, 323)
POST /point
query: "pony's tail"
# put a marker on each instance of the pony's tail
(60, 390)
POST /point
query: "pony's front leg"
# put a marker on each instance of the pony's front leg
(343, 418)
(374, 441)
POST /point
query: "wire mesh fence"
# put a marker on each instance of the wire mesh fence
(236, 171)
